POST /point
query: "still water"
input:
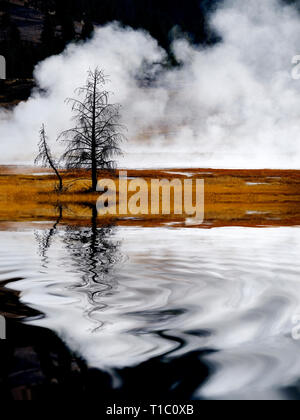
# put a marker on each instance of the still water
(192, 313)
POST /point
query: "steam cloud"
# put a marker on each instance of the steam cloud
(234, 104)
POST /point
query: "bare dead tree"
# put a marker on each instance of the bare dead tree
(94, 142)
(45, 157)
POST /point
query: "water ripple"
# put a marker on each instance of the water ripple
(121, 297)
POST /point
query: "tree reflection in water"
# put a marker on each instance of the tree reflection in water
(45, 238)
(37, 365)
(94, 254)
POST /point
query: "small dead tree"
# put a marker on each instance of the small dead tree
(94, 142)
(45, 157)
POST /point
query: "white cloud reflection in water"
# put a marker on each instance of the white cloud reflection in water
(241, 285)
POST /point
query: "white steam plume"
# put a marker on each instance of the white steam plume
(231, 105)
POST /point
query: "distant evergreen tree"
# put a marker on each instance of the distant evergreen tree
(87, 29)
(14, 34)
(48, 36)
(11, 46)
(4, 5)
(68, 29)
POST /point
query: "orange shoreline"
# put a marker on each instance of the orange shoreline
(249, 198)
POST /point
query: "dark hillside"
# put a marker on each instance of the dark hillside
(32, 30)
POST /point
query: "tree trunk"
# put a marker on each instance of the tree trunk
(52, 165)
(94, 151)
(94, 177)
(60, 181)
(60, 188)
